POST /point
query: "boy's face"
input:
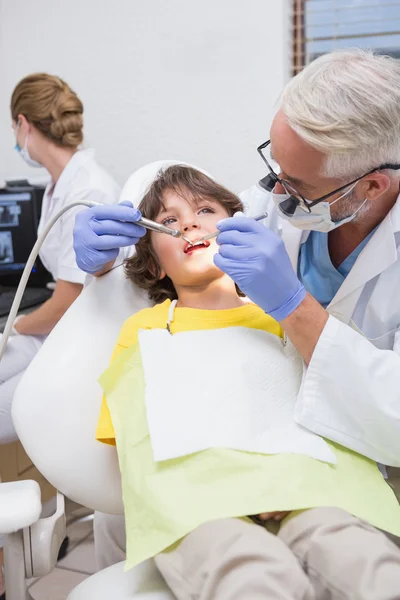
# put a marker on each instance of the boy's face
(186, 265)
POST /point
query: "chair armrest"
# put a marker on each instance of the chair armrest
(45, 539)
(20, 505)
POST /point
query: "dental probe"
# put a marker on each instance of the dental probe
(210, 236)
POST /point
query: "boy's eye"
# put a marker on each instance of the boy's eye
(206, 209)
(168, 221)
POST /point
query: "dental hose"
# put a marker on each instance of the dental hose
(28, 268)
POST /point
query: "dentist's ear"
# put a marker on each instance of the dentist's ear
(373, 186)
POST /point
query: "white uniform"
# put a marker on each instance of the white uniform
(351, 388)
(81, 179)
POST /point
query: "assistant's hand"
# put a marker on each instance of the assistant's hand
(101, 231)
(256, 259)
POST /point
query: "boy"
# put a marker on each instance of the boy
(193, 475)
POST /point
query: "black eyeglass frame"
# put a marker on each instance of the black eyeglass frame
(300, 201)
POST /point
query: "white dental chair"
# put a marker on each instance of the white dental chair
(55, 411)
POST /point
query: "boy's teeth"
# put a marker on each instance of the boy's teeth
(196, 245)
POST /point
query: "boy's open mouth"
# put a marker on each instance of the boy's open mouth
(195, 246)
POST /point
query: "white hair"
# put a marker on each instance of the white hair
(347, 105)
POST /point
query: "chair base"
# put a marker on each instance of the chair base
(144, 582)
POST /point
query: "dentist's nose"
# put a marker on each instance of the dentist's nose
(279, 189)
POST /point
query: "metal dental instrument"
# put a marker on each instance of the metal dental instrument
(154, 226)
(210, 236)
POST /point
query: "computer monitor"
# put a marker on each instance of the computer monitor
(19, 219)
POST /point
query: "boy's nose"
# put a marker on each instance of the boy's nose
(189, 226)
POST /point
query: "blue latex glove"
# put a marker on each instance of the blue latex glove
(101, 231)
(256, 259)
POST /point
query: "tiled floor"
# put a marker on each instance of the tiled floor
(76, 566)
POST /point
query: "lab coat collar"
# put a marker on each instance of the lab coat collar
(79, 159)
(395, 216)
(292, 237)
(377, 256)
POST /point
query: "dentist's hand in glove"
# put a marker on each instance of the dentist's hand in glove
(256, 259)
(101, 231)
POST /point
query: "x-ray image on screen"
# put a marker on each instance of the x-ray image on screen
(6, 247)
(9, 214)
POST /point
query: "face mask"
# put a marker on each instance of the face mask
(319, 219)
(24, 152)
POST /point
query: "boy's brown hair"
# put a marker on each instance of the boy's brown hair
(143, 268)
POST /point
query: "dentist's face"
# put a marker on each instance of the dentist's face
(188, 266)
(302, 166)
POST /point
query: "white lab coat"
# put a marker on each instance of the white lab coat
(82, 179)
(351, 389)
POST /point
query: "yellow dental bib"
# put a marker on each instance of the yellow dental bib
(166, 500)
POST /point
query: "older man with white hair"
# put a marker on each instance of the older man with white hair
(334, 205)
(327, 267)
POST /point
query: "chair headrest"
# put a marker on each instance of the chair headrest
(140, 181)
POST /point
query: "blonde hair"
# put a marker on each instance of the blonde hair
(347, 105)
(51, 106)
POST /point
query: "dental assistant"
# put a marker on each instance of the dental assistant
(47, 119)
(326, 262)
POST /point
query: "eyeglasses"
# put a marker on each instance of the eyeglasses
(296, 199)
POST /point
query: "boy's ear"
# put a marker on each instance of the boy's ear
(162, 274)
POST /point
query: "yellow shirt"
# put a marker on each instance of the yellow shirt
(185, 319)
(164, 501)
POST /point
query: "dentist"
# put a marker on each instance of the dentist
(327, 263)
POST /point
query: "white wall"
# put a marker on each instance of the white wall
(189, 79)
